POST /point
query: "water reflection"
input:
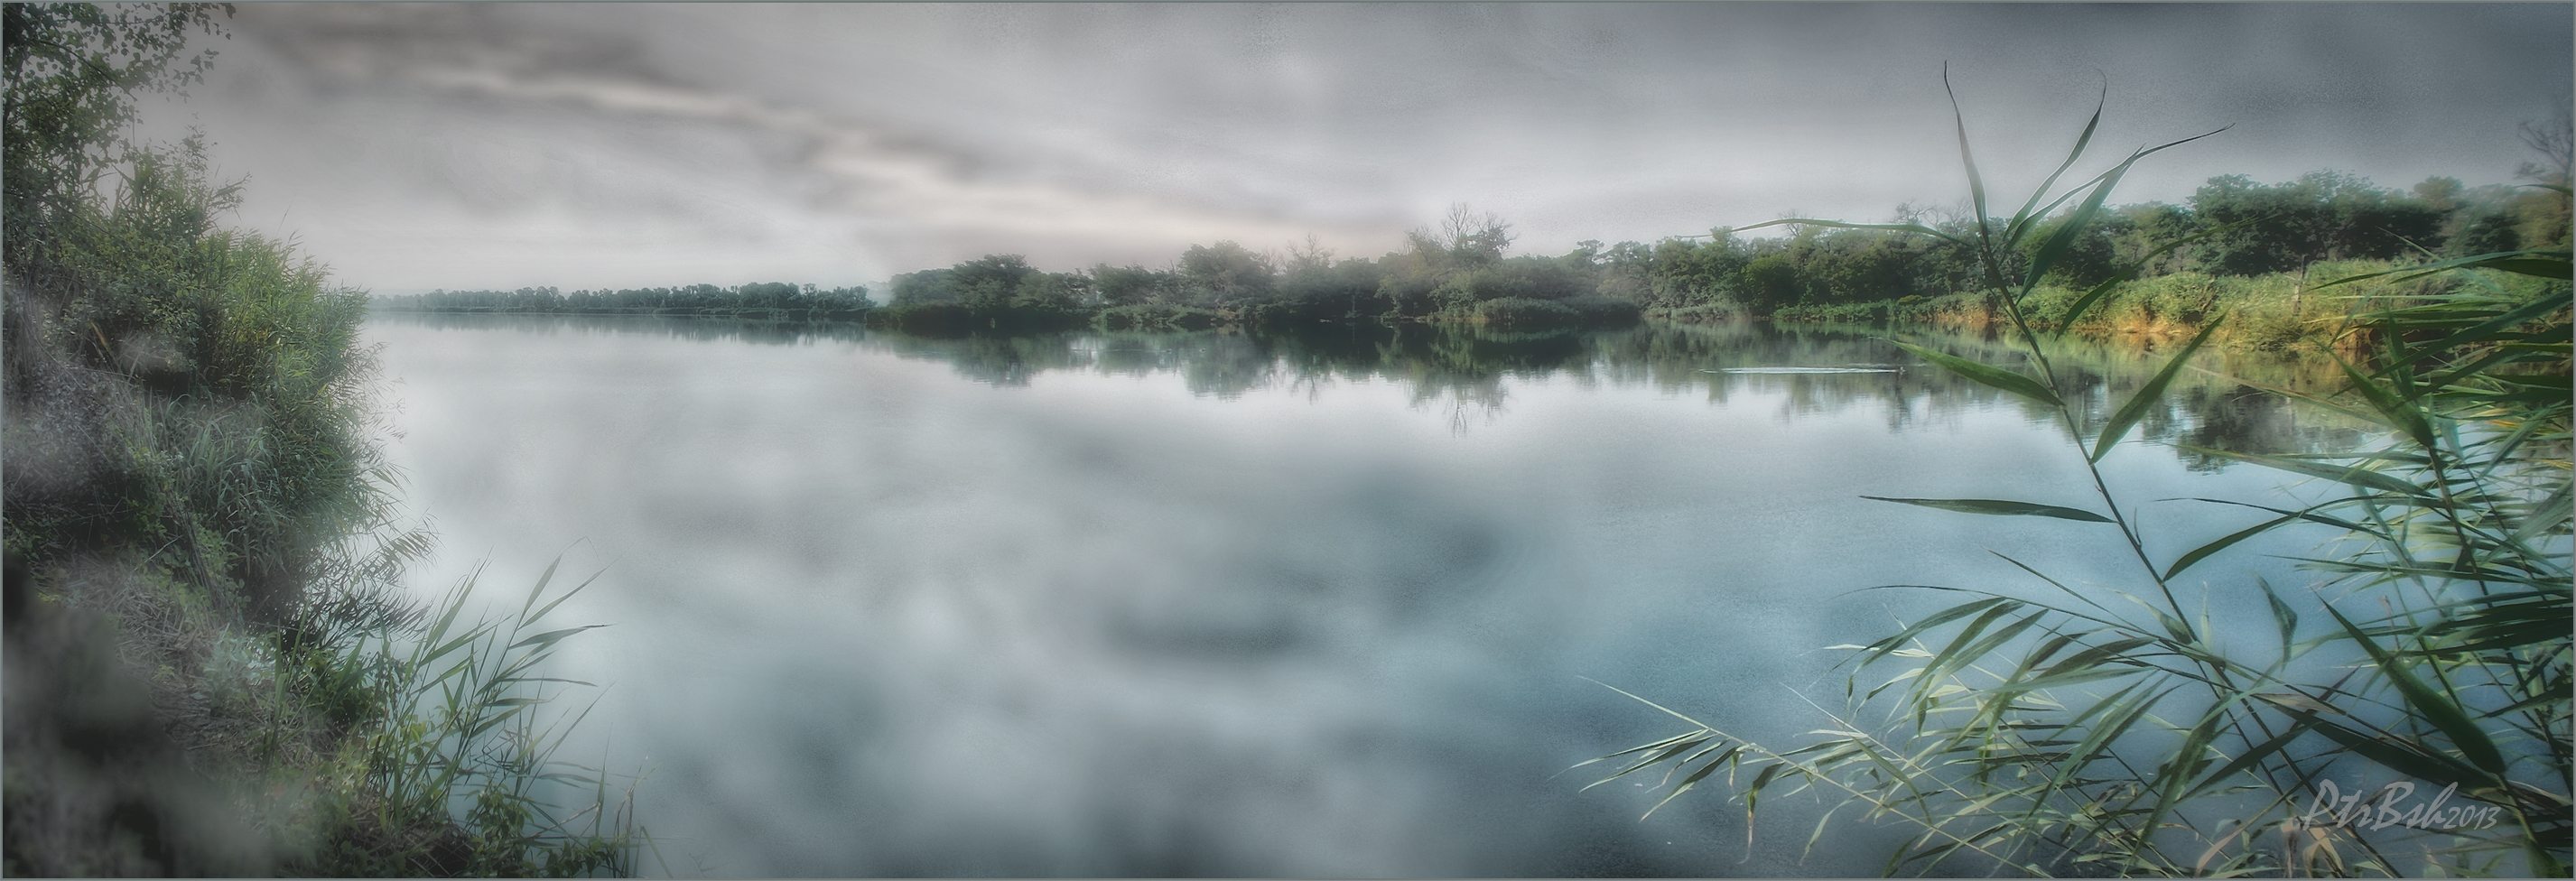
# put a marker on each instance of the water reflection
(1468, 373)
(1227, 604)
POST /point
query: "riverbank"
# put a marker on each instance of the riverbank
(2274, 312)
(2280, 311)
(213, 669)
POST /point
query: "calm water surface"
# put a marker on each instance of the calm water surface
(1216, 605)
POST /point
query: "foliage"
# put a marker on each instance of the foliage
(2320, 216)
(1223, 273)
(73, 70)
(1524, 312)
(2082, 729)
(2233, 229)
(201, 535)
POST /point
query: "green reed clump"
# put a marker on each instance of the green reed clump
(2061, 729)
(455, 769)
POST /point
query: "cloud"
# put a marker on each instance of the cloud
(507, 144)
(518, 130)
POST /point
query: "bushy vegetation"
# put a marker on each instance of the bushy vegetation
(1526, 312)
(1143, 316)
(212, 669)
(2047, 727)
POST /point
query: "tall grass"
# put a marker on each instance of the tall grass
(2063, 729)
(459, 730)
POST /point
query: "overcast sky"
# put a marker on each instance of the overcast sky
(498, 145)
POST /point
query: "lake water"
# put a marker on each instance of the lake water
(1208, 604)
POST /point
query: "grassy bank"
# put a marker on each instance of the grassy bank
(212, 668)
(2272, 312)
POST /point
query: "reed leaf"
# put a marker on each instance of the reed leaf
(2000, 507)
(1987, 374)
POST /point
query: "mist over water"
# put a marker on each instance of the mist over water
(1320, 605)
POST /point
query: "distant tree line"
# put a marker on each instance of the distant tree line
(759, 299)
(1462, 270)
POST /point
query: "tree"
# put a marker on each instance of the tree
(2545, 216)
(2440, 193)
(1129, 285)
(2093, 254)
(1308, 258)
(1627, 273)
(925, 286)
(1224, 272)
(1052, 292)
(1769, 282)
(985, 283)
(2324, 215)
(73, 72)
(1473, 238)
(2555, 141)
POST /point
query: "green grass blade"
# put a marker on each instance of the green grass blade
(540, 589)
(2000, 507)
(2022, 219)
(2396, 755)
(2085, 303)
(2352, 476)
(1967, 157)
(2538, 263)
(2440, 708)
(1987, 374)
(2284, 618)
(1897, 640)
(551, 637)
(2147, 395)
(2066, 234)
(2200, 553)
(2397, 407)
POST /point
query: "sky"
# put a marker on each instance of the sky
(500, 145)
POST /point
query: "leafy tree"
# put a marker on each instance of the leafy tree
(1052, 292)
(1130, 285)
(989, 282)
(2091, 257)
(1769, 282)
(1224, 272)
(1686, 273)
(1627, 272)
(2323, 215)
(2440, 193)
(73, 72)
